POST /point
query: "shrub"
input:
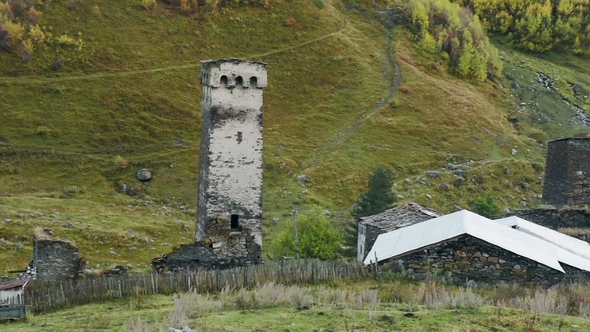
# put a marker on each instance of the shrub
(120, 162)
(11, 34)
(317, 238)
(148, 4)
(43, 131)
(486, 206)
(33, 16)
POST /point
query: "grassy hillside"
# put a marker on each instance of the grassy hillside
(81, 118)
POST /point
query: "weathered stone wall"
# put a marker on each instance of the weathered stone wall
(468, 258)
(567, 173)
(54, 259)
(371, 234)
(238, 248)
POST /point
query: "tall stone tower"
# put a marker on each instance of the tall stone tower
(230, 172)
(567, 172)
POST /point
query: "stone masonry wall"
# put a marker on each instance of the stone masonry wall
(468, 258)
(237, 249)
(567, 173)
(54, 259)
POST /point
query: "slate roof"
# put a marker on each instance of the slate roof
(401, 216)
(14, 284)
(439, 230)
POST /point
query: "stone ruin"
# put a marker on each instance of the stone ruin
(229, 216)
(54, 259)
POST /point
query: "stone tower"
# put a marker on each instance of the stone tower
(230, 172)
(567, 172)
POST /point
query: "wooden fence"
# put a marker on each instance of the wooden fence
(44, 296)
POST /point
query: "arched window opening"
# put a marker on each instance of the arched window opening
(239, 81)
(223, 80)
(253, 81)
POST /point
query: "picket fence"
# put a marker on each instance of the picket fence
(45, 296)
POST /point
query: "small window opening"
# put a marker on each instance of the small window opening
(239, 81)
(235, 223)
(253, 81)
(223, 80)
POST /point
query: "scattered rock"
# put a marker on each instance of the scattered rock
(506, 211)
(444, 186)
(428, 196)
(523, 203)
(69, 225)
(459, 181)
(144, 175)
(8, 220)
(526, 185)
(112, 253)
(459, 172)
(124, 188)
(452, 167)
(507, 171)
(275, 219)
(133, 249)
(302, 178)
(433, 174)
(18, 245)
(178, 142)
(513, 152)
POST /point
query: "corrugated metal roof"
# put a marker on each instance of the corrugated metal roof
(14, 284)
(447, 227)
(401, 216)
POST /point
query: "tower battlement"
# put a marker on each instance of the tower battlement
(233, 73)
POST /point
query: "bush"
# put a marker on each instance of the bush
(486, 206)
(317, 239)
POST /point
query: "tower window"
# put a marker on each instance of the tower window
(223, 80)
(239, 81)
(235, 221)
(253, 81)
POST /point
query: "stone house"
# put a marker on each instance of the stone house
(404, 215)
(465, 246)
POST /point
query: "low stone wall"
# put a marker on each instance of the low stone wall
(468, 259)
(54, 259)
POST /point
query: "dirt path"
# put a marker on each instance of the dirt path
(392, 76)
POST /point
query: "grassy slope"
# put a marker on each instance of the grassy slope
(133, 88)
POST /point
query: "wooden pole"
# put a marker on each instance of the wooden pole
(296, 234)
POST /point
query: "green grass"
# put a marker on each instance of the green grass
(133, 88)
(398, 309)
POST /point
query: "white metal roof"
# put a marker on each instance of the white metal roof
(452, 225)
(571, 251)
